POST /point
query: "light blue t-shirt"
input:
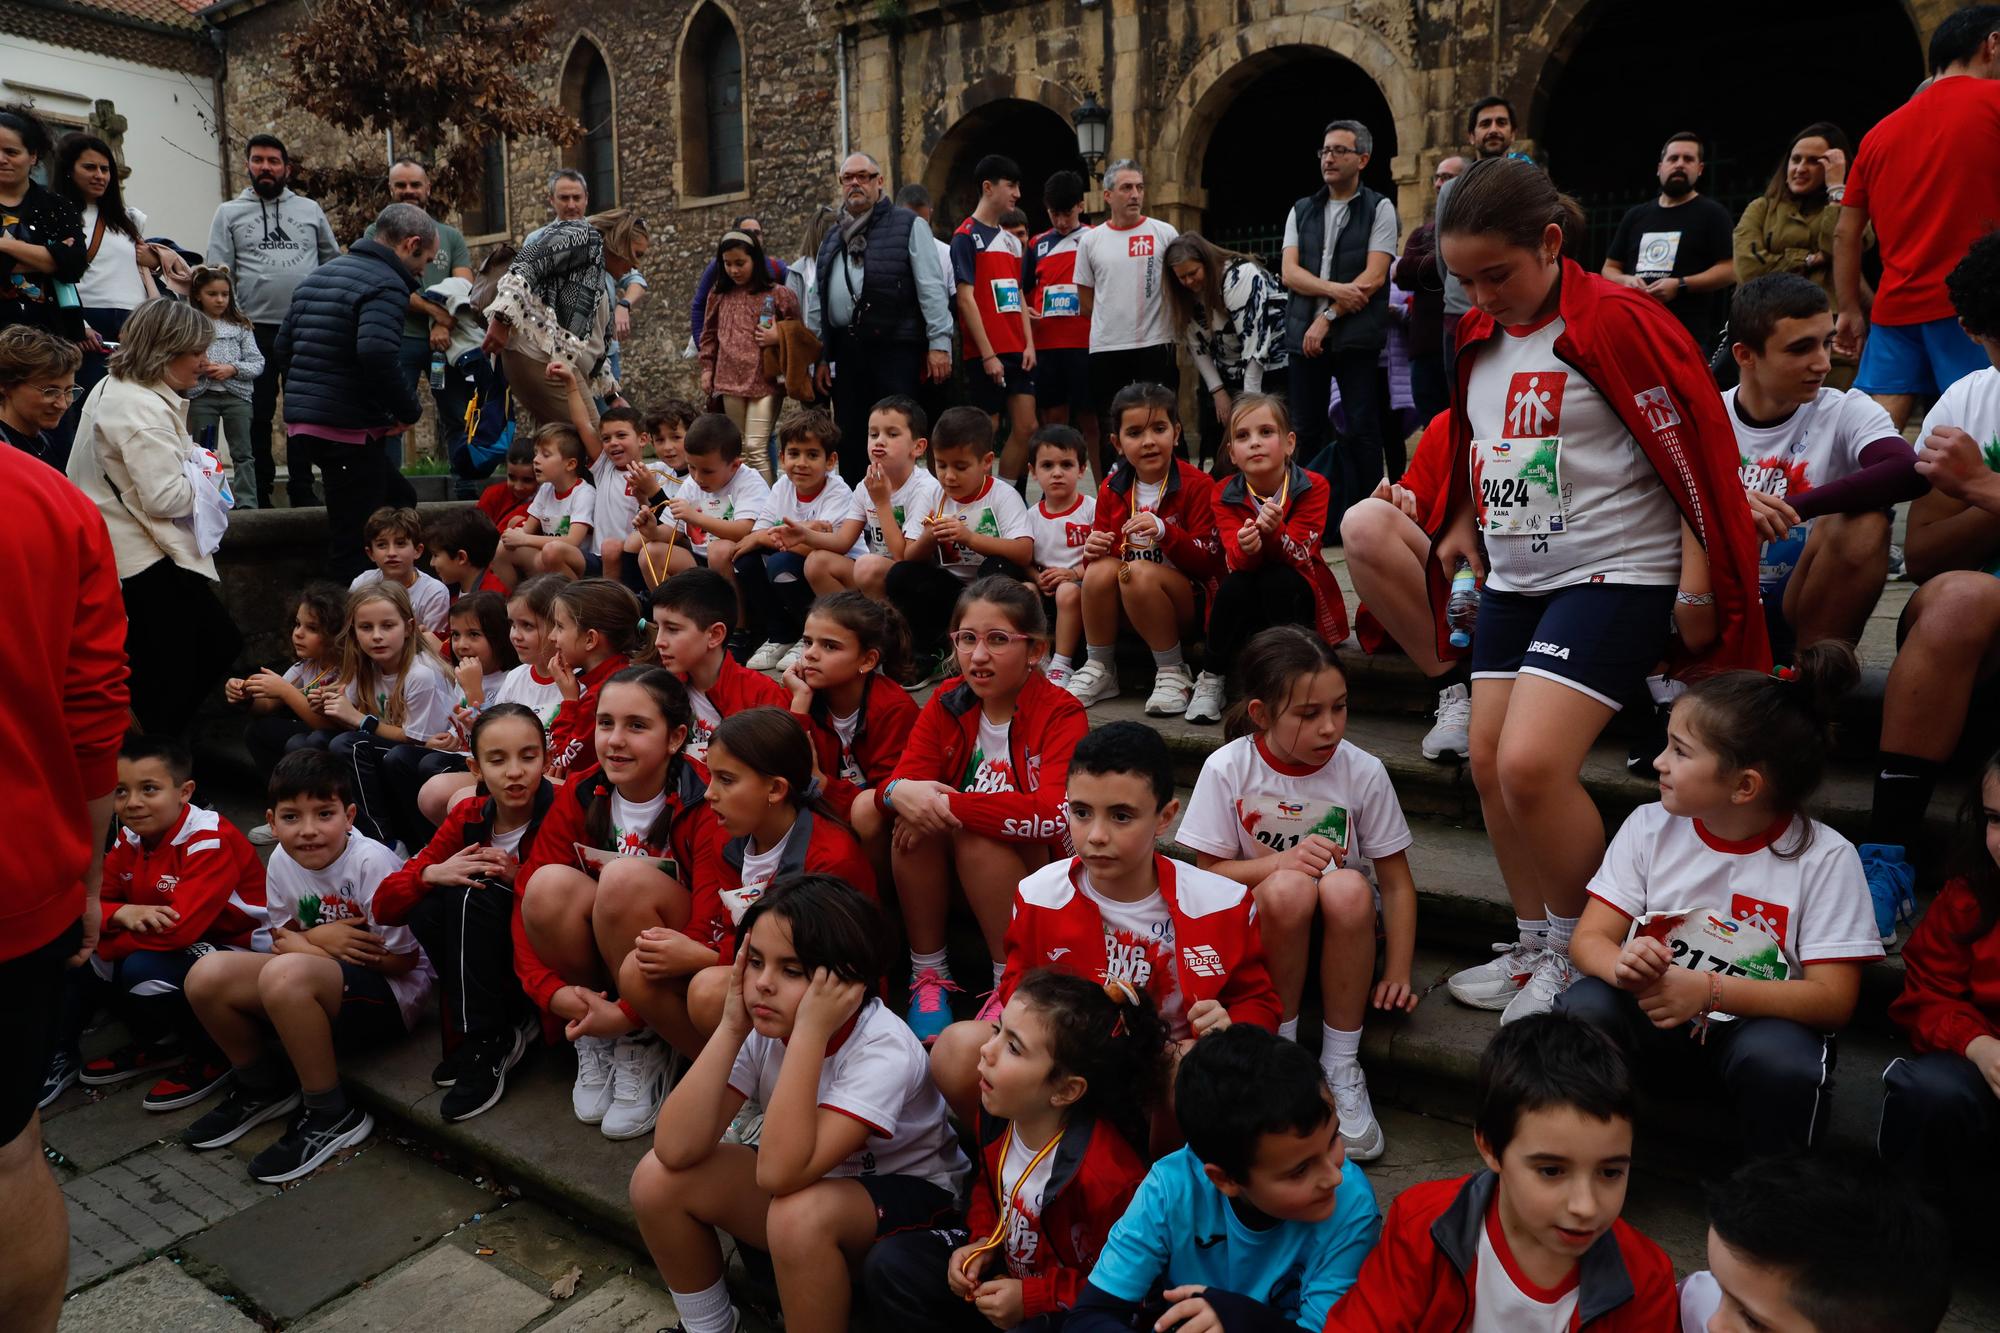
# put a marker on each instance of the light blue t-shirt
(1180, 1230)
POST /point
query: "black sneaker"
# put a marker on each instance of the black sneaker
(314, 1137)
(61, 1077)
(132, 1061)
(195, 1080)
(446, 1071)
(240, 1112)
(483, 1076)
(1639, 759)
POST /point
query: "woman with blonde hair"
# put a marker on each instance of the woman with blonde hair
(1230, 313)
(554, 304)
(130, 457)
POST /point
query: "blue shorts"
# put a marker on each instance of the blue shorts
(593, 564)
(1925, 358)
(1602, 639)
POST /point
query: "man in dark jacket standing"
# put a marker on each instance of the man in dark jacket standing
(880, 307)
(345, 392)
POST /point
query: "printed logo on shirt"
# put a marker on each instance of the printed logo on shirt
(1140, 246)
(1024, 1238)
(741, 900)
(1202, 960)
(1534, 403)
(165, 884)
(1774, 919)
(1058, 952)
(1075, 534)
(1658, 406)
(986, 776)
(1775, 476)
(316, 909)
(1127, 957)
(1657, 252)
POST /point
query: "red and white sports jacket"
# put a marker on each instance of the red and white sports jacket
(204, 869)
(1187, 507)
(1296, 544)
(1218, 952)
(1048, 722)
(736, 688)
(573, 735)
(880, 734)
(816, 846)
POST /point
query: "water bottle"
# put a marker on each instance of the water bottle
(1463, 607)
(770, 315)
(437, 370)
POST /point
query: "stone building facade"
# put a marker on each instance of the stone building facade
(704, 109)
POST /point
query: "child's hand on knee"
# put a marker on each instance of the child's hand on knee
(1314, 855)
(601, 1018)
(664, 953)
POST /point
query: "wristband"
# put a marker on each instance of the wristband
(889, 795)
(1695, 598)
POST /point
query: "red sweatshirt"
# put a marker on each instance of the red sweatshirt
(815, 846)
(62, 673)
(1186, 507)
(736, 688)
(502, 505)
(573, 735)
(1632, 352)
(689, 849)
(204, 869)
(1951, 976)
(468, 824)
(1093, 1174)
(1296, 546)
(1046, 726)
(880, 733)
(1219, 952)
(1419, 1277)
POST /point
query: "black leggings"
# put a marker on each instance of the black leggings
(1250, 600)
(925, 593)
(467, 933)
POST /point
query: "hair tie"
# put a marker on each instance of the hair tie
(813, 788)
(1785, 672)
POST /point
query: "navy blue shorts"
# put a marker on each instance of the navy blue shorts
(369, 1014)
(1062, 378)
(984, 394)
(593, 563)
(1602, 639)
(908, 1203)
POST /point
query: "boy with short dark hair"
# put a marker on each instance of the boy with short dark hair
(811, 510)
(994, 328)
(891, 503)
(179, 883)
(334, 978)
(980, 528)
(506, 502)
(667, 422)
(1534, 1243)
(1260, 1222)
(463, 543)
(1060, 522)
(719, 504)
(394, 539)
(1806, 1244)
(692, 615)
(563, 510)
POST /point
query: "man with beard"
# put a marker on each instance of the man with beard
(1677, 248)
(270, 239)
(880, 308)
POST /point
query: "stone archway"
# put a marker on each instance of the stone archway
(1035, 134)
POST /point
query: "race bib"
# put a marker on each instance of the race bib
(596, 858)
(1007, 296)
(1777, 559)
(1705, 942)
(1281, 823)
(1061, 299)
(1518, 485)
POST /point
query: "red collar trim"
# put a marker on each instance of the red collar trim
(1043, 506)
(564, 495)
(984, 491)
(1745, 847)
(1496, 1235)
(1529, 330)
(805, 499)
(535, 674)
(1290, 770)
(1112, 226)
(840, 1034)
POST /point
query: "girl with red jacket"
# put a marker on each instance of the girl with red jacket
(594, 626)
(1588, 432)
(1152, 548)
(1939, 1108)
(1066, 1084)
(844, 690)
(760, 786)
(1270, 517)
(626, 846)
(457, 896)
(979, 789)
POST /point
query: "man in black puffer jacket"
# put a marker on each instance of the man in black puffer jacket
(344, 392)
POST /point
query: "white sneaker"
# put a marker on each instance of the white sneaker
(1494, 985)
(1171, 688)
(767, 657)
(1554, 974)
(1058, 675)
(592, 1095)
(1454, 717)
(792, 655)
(1093, 681)
(748, 1126)
(1209, 698)
(1359, 1129)
(642, 1069)
(263, 836)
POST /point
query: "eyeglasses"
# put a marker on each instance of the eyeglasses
(996, 640)
(60, 393)
(859, 177)
(1338, 151)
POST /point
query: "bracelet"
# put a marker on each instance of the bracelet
(1695, 598)
(889, 795)
(1836, 193)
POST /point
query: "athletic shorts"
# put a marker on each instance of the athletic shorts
(1602, 639)
(1925, 358)
(1062, 378)
(31, 993)
(593, 563)
(984, 394)
(369, 1014)
(902, 1203)
(1112, 371)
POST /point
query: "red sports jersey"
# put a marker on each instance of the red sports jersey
(988, 260)
(202, 868)
(1049, 277)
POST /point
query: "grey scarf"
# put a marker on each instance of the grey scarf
(854, 232)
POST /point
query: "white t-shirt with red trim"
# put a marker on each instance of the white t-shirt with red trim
(1059, 538)
(344, 890)
(746, 495)
(1126, 270)
(1248, 803)
(914, 501)
(558, 512)
(1815, 904)
(1024, 1181)
(832, 504)
(1505, 1299)
(527, 686)
(880, 1075)
(996, 511)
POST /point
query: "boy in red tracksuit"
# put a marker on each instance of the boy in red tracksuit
(693, 615)
(506, 502)
(179, 883)
(1519, 1246)
(1151, 553)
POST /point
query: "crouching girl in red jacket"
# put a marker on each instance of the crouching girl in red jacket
(1066, 1084)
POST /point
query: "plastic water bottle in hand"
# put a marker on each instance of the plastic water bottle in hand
(1463, 608)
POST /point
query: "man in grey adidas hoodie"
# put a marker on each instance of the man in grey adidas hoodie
(271, 239)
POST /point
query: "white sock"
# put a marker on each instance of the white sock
(1560, 929)
(934, 961)
(705, 1311)
(1289, 1029)
(1338, 1048)
(1534, 933)
(1059, 663)
(1170, 660)
(1102, 652)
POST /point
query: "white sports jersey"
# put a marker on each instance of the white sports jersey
(1059, 538)
(997, 511)
(428, 698)
(527, 686)
(745, 495)
(429, 598)
(1505, 1299)
(1973, 405)
(1127, 272)
(616, 502)
(1819, 442)
(559, 513)
(1248, 804)
(832, 504)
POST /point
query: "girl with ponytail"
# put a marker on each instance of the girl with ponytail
(1727, 929)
